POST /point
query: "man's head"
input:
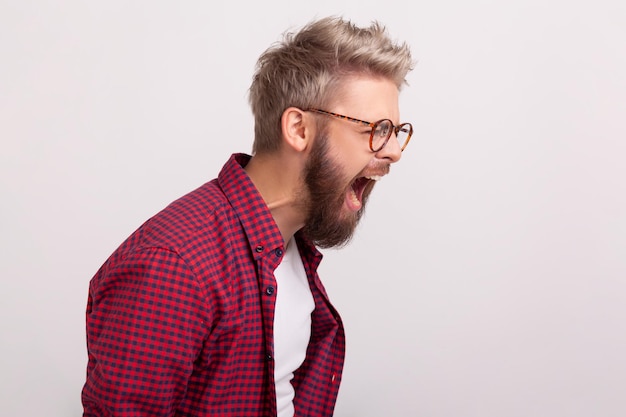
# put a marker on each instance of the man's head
(328, 96)
(308, 67)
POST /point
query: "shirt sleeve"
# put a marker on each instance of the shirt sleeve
(146, 324)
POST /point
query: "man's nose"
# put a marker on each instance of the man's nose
(391, 151)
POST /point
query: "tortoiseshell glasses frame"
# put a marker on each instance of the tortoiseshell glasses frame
(381, 130)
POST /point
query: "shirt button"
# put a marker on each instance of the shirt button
(259, 249)
(278, 252)
(269, 290)
(269, 358)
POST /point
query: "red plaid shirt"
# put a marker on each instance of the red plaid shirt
(180, 317)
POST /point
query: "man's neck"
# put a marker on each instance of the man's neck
(278, 180)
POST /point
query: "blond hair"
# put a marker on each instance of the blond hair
(306, 67)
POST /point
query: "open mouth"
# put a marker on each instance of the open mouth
(358, 189)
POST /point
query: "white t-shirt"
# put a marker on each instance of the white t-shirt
(292, 325)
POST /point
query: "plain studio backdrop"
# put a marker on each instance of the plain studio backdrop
(488, 277)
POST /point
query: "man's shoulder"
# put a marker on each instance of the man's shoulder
(196, 225)
(202, 208)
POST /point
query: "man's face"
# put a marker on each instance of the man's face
(341, 170)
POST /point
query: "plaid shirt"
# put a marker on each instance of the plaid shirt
(180, 317)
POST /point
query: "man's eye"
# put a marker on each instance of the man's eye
(382, 129)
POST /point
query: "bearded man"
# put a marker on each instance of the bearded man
(214, 307)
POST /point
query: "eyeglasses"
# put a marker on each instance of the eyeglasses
(381, 130)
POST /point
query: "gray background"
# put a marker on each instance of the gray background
(488, 278)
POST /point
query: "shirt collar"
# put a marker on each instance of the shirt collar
(254, 215)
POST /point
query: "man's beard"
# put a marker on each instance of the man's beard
(328, 223)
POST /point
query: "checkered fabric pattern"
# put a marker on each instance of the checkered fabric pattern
(180, 317)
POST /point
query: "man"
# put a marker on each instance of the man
(214, 307)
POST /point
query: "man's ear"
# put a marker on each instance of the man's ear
(296, 131)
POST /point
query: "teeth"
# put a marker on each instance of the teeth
(374, 177)
(354, 198)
